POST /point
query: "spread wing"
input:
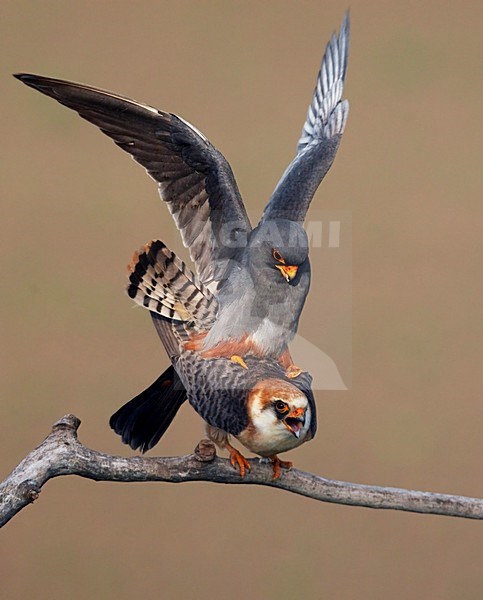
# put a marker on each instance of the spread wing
(321, 135)
(194, 179)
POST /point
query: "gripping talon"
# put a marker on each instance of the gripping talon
(279, 464)
(239, 360)
(238, 461)
(293, 371)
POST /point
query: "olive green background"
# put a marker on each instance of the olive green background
(73, 209)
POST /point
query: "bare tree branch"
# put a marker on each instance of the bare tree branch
(62, 454)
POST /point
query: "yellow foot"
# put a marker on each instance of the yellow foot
(278, 464)
(238, 460)
(293, 371)
(239, 360)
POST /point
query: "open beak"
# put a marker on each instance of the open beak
(288, 271)
(295, 421)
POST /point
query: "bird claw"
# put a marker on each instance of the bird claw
(237, 460)
(279, 464)
(293, 371)
(239, 360)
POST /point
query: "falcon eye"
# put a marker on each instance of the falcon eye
(281, 407)
(277, 256)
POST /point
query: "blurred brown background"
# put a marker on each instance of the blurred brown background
(73, 209)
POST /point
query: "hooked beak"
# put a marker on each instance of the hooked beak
(288, 271)
(295, 421)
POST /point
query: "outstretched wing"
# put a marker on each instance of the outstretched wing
(321, 135)
(194, 179)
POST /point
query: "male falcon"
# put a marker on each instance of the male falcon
(259, 406)
(260, 276)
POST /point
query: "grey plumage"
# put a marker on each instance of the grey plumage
(321, 135)
(216, 388)
(248, 283)
(194, 179)
(255, 299)
(199, 188)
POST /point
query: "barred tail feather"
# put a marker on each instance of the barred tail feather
(162, 283)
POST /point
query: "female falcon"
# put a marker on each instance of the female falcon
(259, 406)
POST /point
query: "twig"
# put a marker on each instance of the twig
(62, 454)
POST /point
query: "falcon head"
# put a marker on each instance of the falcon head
(278, 248)
(279, 418)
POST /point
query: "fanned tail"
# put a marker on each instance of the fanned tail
(162, 283)
(179, 303)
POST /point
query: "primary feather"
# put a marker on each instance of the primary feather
(321, 135)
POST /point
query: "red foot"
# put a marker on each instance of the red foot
(237, 460)
(278, 464)
(286, 361)
(293, 371)
(239, 360)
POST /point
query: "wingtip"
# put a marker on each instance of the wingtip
(346, 21)
(345, 27)
(28, 79)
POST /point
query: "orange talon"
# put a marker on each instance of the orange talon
(237, 460)
(293, 371)
(286, 361)
(278, 464)
(239, 360)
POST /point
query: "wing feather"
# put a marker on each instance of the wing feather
(194, 179)
(321, 135)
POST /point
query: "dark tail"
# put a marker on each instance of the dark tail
(144, 419)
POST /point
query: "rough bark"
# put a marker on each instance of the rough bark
(61, 453)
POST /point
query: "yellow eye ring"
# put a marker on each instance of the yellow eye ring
(277, 256)
(280, 406)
